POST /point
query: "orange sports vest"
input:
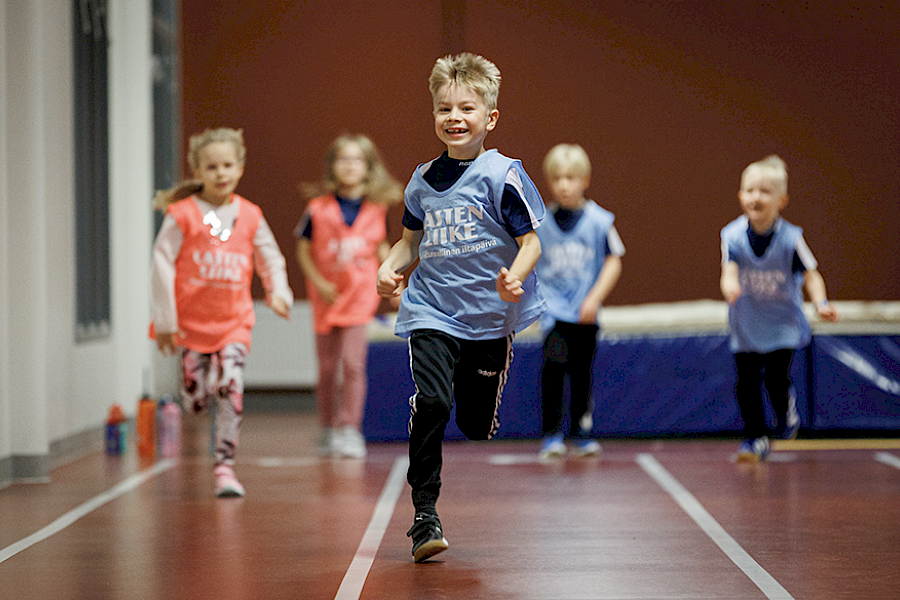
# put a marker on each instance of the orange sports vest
(348, 258)
(212, 278)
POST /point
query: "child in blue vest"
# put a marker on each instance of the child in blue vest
(765, 266)
(581, 260)
(470, 219)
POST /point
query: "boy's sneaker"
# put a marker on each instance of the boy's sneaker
(789, 432)
(427, 537)
(352, 443)
(788, 428)
(552, 446)
(756, 450)
(586, 448)
(227, 485)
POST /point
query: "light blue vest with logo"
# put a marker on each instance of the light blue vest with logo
(571, 262)
(453, 288)
(768, 315)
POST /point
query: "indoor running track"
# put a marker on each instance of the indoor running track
(649, 520)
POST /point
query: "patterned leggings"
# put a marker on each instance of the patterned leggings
(218, 375)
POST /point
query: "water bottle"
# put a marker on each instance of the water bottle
(169, 427)
(146, 427)
(115, 431)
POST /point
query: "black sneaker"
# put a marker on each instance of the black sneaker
(427, 537)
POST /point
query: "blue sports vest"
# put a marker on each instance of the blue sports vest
(768, 315)
(571, 262)
(453, 288)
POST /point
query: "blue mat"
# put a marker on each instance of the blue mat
(664, 386)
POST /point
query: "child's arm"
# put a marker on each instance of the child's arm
(162, 284)
(401, 256)
(509, 281)
(384, 249)
(325, 288)
(730, 283)
(272, 268)
(596, 296)
(815, 287)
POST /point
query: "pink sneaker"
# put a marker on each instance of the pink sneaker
(227, 485)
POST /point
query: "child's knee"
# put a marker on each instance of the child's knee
(429, 408)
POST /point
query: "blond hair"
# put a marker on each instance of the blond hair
(379, 186)
(776, 169)
(196, 143)
(572, 156)
(471, 70)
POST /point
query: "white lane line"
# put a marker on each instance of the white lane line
(759, 576)
(888, 459)
(91, 505)
(513, 459)
(355, 577)
(275, 461)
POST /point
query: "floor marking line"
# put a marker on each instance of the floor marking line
(358, 571)
(888, 459)
(837, 444)
(86, 508)
(276, 461)
(759, 576)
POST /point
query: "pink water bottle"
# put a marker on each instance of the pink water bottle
(169, 427)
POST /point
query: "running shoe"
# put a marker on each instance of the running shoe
(350, 443)
(227, 485)
(552, 446)
(788, 428)
(586, 448)
(789, 432)
(427, 537)
(756, 450)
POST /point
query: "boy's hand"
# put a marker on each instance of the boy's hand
(281, 307)
(167, 343)
(587, 313)
(509, 286)
(389, 283)
(731, 292)
(394, 301)
(827, 313)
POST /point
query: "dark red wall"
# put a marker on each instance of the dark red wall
(671, 100)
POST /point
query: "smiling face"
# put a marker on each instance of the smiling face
(220, 170)
(762, 198)
(462, 121)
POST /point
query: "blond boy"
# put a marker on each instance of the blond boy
(470, 220)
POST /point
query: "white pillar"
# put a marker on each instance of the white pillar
(5, 448)
(25, 240)
(131, 189)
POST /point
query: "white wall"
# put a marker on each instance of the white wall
(28, 70)
(50, 387)
(5, 445)
(283, 353)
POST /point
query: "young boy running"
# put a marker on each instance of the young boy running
(470, 219)
(579, 267)
(765, 266)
